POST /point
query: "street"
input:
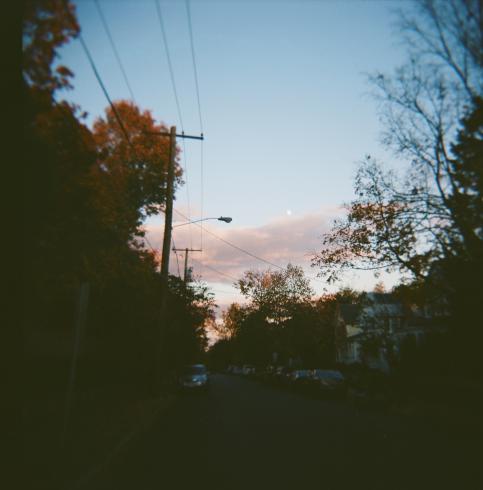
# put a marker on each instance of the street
(245, 435)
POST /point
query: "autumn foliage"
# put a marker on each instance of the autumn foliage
(88, 194)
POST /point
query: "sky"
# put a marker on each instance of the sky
(286, 113)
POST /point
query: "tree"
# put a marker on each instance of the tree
(89, 192)
(410, 223)
(275, 293)
(191, 309)
(131, 173)
(232, 319)
(46, 26)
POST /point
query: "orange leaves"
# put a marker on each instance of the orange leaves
(131, 175)
(46, 25)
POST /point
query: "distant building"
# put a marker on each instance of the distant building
(376, 328)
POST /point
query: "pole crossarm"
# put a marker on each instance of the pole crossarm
(187, 249)
(182, 135)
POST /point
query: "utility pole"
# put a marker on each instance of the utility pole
(168, 220)
(186, 251)
(168, 225)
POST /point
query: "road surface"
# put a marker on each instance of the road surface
(246, 435)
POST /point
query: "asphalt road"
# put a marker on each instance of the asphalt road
(246, 435)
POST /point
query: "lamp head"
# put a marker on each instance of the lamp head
(226, 219)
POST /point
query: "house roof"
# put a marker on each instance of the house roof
(384, 310)
(349, 313)
(381, 298)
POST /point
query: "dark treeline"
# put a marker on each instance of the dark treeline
(280, 324)
(88, 194)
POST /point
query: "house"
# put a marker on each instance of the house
(373, 331)
(348, 334)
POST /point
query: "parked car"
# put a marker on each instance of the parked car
(237, 370)
(300, 379)
(248, 370)
(194, 377)
(266, 374)
(328, 382)
(281, 375)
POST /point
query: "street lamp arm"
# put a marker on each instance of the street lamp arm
(226, 219)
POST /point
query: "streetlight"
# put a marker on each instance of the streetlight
(226, 219)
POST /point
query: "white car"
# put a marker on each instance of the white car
(194, 377)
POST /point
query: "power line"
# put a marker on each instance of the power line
(195, 71)
(155, 252)
(177, 260)
(243, 250)
(220, 291)
(233, 245)
(187, 189)
(178, 107)
(113, 107)
(170, 66)
(215, 270)
(202, 192)
(149, 243)
(118, 58)
(103, 87)
(193, 57)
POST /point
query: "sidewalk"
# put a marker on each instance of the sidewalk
(100, 420)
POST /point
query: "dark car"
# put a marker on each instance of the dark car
(194, 377)
(328, 383)
(266, 374)
(281, 376)
(299, 379)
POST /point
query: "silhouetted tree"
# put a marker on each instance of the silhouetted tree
(88, 194)
(275, 293)
(46, 26)
(410, 223)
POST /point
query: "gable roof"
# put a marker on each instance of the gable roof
(349, 313)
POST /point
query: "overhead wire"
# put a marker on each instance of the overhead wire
(126, 135)
(113, 45)
(220, 291)
(168, 57)
(103, 87)
(175, 91)
(187, 189)
(195, 71)
(193, 57)
(106, 94)
(243, 250)
(155, 252)
(233, 245)
(202, 193)
(176, 254)
(215, 270)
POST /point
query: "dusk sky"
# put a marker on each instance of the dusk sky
(285, 108)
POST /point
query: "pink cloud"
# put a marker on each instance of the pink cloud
(289, 239)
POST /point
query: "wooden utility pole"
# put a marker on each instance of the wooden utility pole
(168, 220)
(186, 251)
(168, 225)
